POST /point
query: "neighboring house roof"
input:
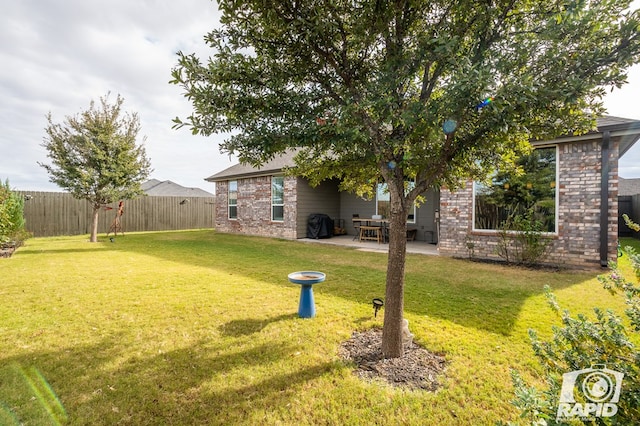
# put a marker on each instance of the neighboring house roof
(628, 187)
(167, 188)
(149, 184)
(617, 126)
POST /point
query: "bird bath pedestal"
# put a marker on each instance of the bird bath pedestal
(306, 279)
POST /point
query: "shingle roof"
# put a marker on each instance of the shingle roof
(167, 188)
(627, 126)
(149, 184)
(628, 187)
(608, 121)
(246, 170)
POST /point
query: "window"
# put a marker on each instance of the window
(529, 194)
(383, 202)
(233, 199)
(277, 198)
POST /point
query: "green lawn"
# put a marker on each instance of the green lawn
(188, 328)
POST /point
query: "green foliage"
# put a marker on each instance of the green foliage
(94, 155)
(630, 223)
(12, 223)
(581, 343)
(529, 189)
(530, 401)
(357, 85)
(521, 240)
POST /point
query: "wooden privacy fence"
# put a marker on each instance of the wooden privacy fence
(49, 214)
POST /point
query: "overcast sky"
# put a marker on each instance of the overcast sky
(58, 56)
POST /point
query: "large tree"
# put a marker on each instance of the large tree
(95, 157)
(435, 92)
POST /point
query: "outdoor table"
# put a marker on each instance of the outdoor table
(371, 231)
(306, 279)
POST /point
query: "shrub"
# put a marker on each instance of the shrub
(12, 223)
(581, 344)
(521, 240)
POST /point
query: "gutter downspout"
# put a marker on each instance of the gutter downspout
(604, 200)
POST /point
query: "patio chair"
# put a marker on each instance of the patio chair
(356, 225)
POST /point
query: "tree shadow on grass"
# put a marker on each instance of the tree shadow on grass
(105, 383)
(480, 300)
(27, 251)
(434, 286)
(263, 397)
(245, 327)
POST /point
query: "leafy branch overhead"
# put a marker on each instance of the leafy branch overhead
(375, 81)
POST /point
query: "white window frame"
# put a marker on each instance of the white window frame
(232, 184)
(382, 186)
(273, 198)
(557, 198)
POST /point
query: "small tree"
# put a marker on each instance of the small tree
(95, 157)
(12, 223)
(582, 343)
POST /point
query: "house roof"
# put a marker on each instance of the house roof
(628, 129)
(623, 127)
(149, 184)
(609, 122)
(167, 188)
(628, 186)
(246, 170)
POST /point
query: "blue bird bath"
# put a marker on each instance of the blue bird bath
(306, 280)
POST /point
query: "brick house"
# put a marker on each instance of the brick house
(575, 180)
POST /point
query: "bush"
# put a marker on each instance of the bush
(521, 240)
(606, 342)
(12, 223)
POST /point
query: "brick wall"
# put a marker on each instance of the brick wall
(578, 241)
(254, 208)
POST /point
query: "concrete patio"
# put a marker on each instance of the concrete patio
(417, 247)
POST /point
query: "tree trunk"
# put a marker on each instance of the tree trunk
(94, 225)
(394, 294)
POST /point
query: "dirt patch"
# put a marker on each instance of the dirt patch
(417, 369)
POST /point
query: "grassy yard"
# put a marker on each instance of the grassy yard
(188, 328)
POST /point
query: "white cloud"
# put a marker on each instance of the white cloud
(625, 102)
(58, 56)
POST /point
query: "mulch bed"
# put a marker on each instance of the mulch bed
(416, 369)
